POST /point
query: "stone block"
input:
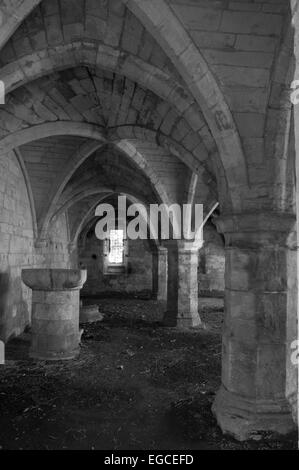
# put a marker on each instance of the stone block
(72, 11)
(241, 367)
(251, 23)
(213, 40)
(240, 59)
(196, 18)
(270, 377)
(242, 76)
(251, 42)
(53, 29)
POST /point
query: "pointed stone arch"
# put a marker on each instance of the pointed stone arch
(90, 131)
(211, 102)
(161, 22)
(11, 16)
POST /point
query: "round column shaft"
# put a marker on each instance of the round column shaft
(259, 382)
(182, 288)
(55, 312)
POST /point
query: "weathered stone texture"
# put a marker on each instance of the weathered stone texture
(16, 247)
(239, 40)
(55, 312)
(168, 101)
(257, 328)
(182, 285)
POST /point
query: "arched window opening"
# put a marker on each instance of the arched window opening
(116, 247)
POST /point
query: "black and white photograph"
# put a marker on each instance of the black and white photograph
(149, 228)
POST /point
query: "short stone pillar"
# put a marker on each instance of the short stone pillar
(258, 379)
(182, 286)
(55, 312)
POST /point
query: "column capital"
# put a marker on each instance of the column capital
(189, 246)
(183, 245)
(161, 250)
(54, 279)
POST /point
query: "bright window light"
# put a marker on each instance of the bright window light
(116, 247)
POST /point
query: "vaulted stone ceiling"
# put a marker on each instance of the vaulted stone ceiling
(98, 63)
(44, 160)
(132, 118)
(48, 162)
(105, 99)
(94, 95)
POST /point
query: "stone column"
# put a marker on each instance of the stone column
(55, 312)
(295, 23)
(259, 325)
(162, 274)
(182, 286)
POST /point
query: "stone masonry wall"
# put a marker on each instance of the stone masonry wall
(138, 277)
(16, 247)
(54, 251)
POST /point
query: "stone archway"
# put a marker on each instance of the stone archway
(100, 56)
(144, 257)
(161, 22)
(159, 19)
(79, 129)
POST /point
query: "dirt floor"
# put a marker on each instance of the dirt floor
(136, 385)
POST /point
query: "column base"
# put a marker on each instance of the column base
(161, 299)
(244, 419)
(173, 320)
(293, 401)
(54, 356)
(90, 314)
